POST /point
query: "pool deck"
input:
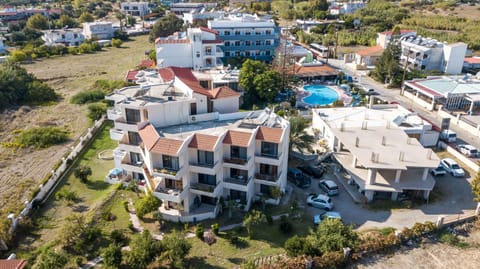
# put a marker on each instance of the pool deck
(301, 94)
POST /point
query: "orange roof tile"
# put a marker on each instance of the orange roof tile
(167, 146)
(131, 75)
(315, 70)
(205, 29)
(203, 142)
(149, 136)
(13, 264)
(472, 60)
(166, 74)
(224, 92)
(267, 134)
(237, 138)
(146, 63)
(171, 41)
(371, 51)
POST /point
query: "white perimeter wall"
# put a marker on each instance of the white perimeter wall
(179, 55)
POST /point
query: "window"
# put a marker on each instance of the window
(247, 33)
(267, 53)
(238, 152)
(258, 43)
(227, 44)
(247, 43)
(237, 43)
(258, 33)
(257, 53)
(170, 162)
(247, 53)
(134, 138)
(268, 42)
(227, 53)
(135, 158)
(237, 53)
(226, 33)
(237, 32)
(207, 179)
(266, 169)
(268, 32)
(269, 149)
(132, 115)
(238, 195)
(205, 157)
(265, 189)
(198, 54)
(208, 50)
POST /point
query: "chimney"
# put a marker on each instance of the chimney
(401, 156)
(384, 141)
(364, 125)
(429, 154)
(357, 141)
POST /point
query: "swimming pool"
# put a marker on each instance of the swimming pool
(320, 95)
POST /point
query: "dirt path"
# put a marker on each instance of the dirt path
(22, 170)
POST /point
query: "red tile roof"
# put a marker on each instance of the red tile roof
(371, 51)
(316, 70)
(166, 74)
(167, 146)
(146, 63)
(131, 75)
(423, 88)
(223, 92)
(472, 60)
(401, 32)
(205, 29)
(267, 134)
(203, 142)
(237, 138)
(149, 136)
(171, 41)
(12, 264)
(216, 41)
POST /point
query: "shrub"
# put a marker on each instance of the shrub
(199, 231)
(82, 172)
(87, 97)
(286, 227)
(146, 205)
(269, 219)
(41, 137)
(215, 228)
(96, 110)
(73, 50)
(125, 205)
(295, 246)
(117, 43)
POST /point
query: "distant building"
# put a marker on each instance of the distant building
(247, 36)
(244, 3)
(192, 17)
(99, 30)
(67, 37)
(368, 57)
(182, 8)
(139, 9)
(198, 48)
(11, 13)
(384, 38)
(339, 8)
(3, 47)
(471, 63)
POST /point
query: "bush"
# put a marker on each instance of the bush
(41, 137)
(295, 246)
(125, 205)
(118, 237)
(146, 205)
(286, 227)
(215, 228)
(269, 219)
(199, 231)
(87, 97)
(117, 43)
(69, 196)
(96, 110)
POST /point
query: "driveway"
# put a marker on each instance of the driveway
(451, 197)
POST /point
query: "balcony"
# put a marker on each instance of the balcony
(238, 180)
(132, 166)
(205, 189)
(267, 179)
(113, 114)
(170, 194)
(124, 125)
(203, 168)
(167, 172)
(124, 144)
(116, 134)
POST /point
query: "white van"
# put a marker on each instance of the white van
(449, 136)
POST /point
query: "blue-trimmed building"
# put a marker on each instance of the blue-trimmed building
(247, 36)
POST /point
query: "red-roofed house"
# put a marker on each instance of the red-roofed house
(471, 62)
(367, 57)
(383, 38)
(13, 264)
(198, 48)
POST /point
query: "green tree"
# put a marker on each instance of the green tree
(18, 56)
(112, 256)
(387, 68)
(175, 248)
(37, 21)
(295, 246)
(253, 219)
(86, 17)
(67, 21)
(250, 69)
(50, 259)
(147, 204)
(120, 16)
(144, 249)
(268, 85)
(331, 235)
(476, 186)
(165, 26)
(300, 140)
(96, 110)
(82, 172)
(131, 20)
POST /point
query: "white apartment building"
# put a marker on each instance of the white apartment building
(198, 48)
(379, 150)
(339, 8)
(67, 37)
(429, 54)
(384, 38)
(192, 147)
(99, 30)
(138, 9)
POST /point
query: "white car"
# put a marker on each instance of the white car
(468, 150)
(329, 187)
(320, 201)
(317, 219)
(452, 167)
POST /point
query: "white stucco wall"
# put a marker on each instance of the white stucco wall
(179, 55)
(169, 113)
(226, 105)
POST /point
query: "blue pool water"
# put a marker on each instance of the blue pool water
(320, 95)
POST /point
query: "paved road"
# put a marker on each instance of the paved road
(394, 95)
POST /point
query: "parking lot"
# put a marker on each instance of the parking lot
(451, 197)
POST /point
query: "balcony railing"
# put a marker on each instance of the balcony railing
(166, 170)
(236, 160)
(238, 180)
(266, 177)
(269, 155)
(203, 187)
(206, 165)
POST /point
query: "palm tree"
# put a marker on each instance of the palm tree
(120, 16)
(299, 139)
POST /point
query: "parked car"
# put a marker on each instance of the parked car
(452, 167)
(329, 187)
(448, 136)
(312, 171)
(320, 201)
(468, 150)
(299, 178)
(439, 171)
(317, 219)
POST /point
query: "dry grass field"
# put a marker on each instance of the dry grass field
(22, 170)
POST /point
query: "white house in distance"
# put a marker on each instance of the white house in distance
(198, 48)
(191, 147)
(100, 30)
(3, 47)
(375, 150)
(67, 37)
(138, 9)
(384, 38)
(339, 8)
